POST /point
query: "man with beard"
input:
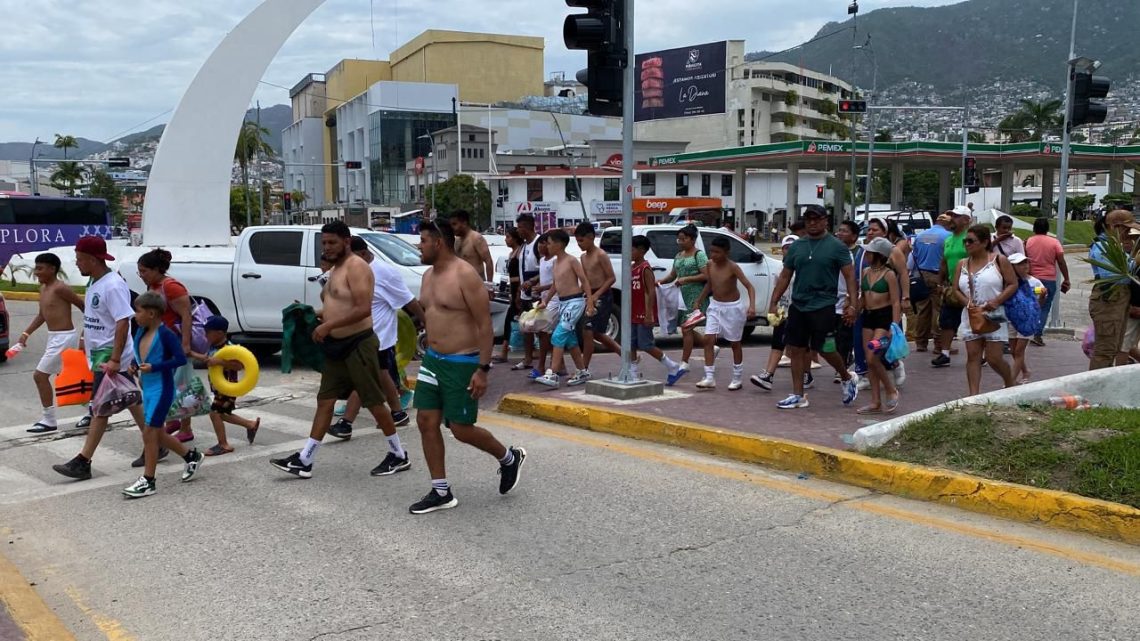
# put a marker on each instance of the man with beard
(453, 373)
(352, 355)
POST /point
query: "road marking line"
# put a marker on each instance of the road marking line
(27, 609)
(723, 471)
(111, 628)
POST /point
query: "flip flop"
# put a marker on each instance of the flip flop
(251, 434)
(892, 405)
(42, 428)
(869, 409)
(218, 450)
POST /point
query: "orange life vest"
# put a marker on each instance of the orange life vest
(76, 383)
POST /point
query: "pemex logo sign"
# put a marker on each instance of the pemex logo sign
(826, 148)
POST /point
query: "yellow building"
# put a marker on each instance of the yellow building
(486, 67)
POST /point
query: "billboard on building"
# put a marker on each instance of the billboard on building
(689, 81)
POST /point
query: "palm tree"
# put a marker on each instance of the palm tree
(250, 144)
(1033, 120)
(68, 176)
(1014, 127)
(65, 143)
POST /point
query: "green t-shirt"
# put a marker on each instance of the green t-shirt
(817, 263)
(953, 251)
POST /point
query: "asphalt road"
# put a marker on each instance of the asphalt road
(604, 539)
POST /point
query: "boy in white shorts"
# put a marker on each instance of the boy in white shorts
(727, 313)
(56, 301)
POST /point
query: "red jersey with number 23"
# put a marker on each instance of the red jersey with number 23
(638, 309)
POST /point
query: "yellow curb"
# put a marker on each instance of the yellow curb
(1061, 510)
(27, 609)
(21, 296)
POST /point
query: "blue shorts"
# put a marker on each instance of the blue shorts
(566, 334)
(642, 338)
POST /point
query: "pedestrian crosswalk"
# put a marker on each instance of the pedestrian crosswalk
(26, 460)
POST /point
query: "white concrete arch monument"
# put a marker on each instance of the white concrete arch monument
(188, 193)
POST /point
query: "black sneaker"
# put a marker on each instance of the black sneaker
(293, 466)
(762, 380)
(194, 460)
(432, 501)
(76, 468)
(509, 474)
(401, 418)
(84, 422)
(1038, 341)
(941, 360)
(342, 430)
(809, 380)
(392, 464)
(141, 460)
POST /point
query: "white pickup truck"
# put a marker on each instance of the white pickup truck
(760, 269)
(270, 268)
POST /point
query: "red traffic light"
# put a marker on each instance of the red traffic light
(852, 106)
(353, 164)
(819, 191)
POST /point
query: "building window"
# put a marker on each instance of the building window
(611, 189)
(706, 185)
(648, 184)
(726, 186)
(470, 137)
(746, 74)
(534, 190)
(573, 190)
(505, 188)
(682, 185)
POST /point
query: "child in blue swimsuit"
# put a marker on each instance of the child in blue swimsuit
(159, 353)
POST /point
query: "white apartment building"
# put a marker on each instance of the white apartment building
(302, 143)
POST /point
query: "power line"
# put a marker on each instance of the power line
(133, 127)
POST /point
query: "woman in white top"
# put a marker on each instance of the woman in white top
(986, 281)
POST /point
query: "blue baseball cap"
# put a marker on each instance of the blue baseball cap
(217, 324)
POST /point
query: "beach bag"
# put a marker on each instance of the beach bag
(199, 314)
(115, 394)
(76, 382)
(899, 348)
(980, 323)
(1023, 311)
(191, 398)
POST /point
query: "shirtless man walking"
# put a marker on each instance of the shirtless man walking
(600, 273)
(352, 355)
(56, 300)
(453, 373)
(471, 246)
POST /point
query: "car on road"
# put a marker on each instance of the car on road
(270, 268)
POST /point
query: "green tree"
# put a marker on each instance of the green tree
(827, 107)
(103, 186)
(975, 136)
(1116, 201)
(463, 192)
(65, 143)
(251, 143)
(921, 188)
(298, 198)
(883, 135)
(1076, 204)
(68, 176)
(241, 199)
(792, 98)
(1032, 120)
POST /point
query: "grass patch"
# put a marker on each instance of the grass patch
(1077, 232)
(1094, 453)
(7, 286)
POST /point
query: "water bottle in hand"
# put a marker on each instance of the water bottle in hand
(14, 350)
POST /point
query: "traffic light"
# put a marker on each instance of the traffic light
(819, 191)
(970, 181)
(353, 164)
(1086, 87)
(288, 198)
(119, 162)
(852, 106)
(601, 33)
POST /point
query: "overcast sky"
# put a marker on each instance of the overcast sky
(100, 69)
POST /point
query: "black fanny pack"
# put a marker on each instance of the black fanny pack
(338, 349)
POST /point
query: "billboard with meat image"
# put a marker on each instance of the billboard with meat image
(689, 81)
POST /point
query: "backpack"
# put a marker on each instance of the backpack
(1022, 310)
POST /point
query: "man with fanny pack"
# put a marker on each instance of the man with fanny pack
(352, 355)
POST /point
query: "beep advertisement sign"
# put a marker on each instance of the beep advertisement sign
(689, 81)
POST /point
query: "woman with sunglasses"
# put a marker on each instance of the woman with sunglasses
(985, 282)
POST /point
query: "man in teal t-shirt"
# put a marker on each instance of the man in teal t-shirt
(953, 252)
(816, 260)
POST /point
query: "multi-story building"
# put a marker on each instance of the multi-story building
(765, 102)
(303, 142)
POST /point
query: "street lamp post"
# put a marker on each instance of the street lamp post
(434, 170)
(872, 121)
(35, 179)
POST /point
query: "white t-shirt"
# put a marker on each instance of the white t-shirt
(107, 302)
(546, 276)
(388, 296)
(527, 263)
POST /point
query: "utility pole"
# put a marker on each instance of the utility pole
(35, 179)
(458, 134)
(1066, 140)
(626, 376)
(260, 178)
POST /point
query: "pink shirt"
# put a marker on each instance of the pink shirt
(1043, 252)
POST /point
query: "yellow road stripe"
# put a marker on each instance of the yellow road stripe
(110, 628)
(27, 609)
(724, 471)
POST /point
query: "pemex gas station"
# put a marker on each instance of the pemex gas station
(944, 157)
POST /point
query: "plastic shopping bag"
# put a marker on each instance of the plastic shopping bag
(191, 398)
(1087, 341)
(535, 321)
(899, 348)
(115, 394)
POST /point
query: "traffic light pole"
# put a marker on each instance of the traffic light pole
(1066, 141)
(626, 376)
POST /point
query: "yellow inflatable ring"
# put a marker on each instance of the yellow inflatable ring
(246, 383)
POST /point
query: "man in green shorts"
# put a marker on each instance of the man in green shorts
(453, 373)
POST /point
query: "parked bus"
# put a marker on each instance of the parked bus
(33, 224)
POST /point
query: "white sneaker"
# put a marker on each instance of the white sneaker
(716, 352)
(815, 365)
(684, 367)
(735, 385)
(864, 383)
(900, 374)
(579, 378)
(706, 383)
(785, 362)
(550, 379)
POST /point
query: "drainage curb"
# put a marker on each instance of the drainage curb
(1055, 509)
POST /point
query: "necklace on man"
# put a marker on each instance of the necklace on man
(812, 245)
